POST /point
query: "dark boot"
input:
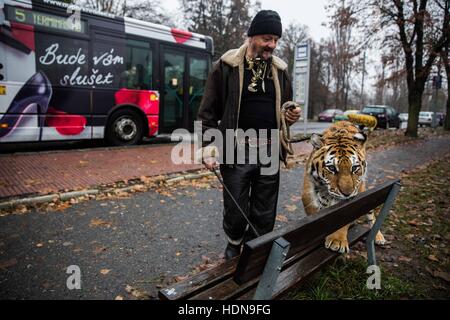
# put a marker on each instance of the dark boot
(232, 251)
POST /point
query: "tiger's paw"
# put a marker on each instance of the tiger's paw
(379, 239)
(337, 242)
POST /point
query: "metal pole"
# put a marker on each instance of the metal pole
(370, 241)
(272, 270)
(305, 112)
(362, 81)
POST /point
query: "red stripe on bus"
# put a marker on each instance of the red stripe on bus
(23, 33)
(181, 36)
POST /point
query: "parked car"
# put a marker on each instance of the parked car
(344, 116)
(403, 117)
(347, 112)
(386, 116)
(329, 114)
(441, 118)
(425, 118)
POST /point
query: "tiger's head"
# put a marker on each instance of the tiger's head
(338, 161)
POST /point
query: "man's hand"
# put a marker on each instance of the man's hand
(292, 115)
(211, 163)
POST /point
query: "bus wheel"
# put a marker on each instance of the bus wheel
(124, 128)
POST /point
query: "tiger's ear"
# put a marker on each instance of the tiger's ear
(316, 141)
(361, 136)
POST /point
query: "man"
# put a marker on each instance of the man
(245, 90)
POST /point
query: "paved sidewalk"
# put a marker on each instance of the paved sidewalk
(48, 172)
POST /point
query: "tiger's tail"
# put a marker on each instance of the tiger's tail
(363, 120)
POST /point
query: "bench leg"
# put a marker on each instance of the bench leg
(370, 242)
(272, 270)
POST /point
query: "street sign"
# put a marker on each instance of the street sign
(301, 77)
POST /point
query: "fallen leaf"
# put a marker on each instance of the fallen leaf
(291, 208)
(119, 297)
(98, 250)
(137, 293)
(281, 218)
(178, 254)
(181, 278)
(442, 275)
(39, 245)
(413, 222)
(8, 263)
(99, 223)
(405, 259)
(105, 271)
(432, 257)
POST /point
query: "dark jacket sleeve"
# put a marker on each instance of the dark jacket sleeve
(211, 109)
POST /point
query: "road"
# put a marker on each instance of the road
(146, 239)
(100, 144)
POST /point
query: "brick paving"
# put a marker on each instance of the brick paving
(49, 172)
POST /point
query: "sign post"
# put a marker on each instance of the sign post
(437, 84)
(301, 77)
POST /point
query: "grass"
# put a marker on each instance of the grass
(416, 264)
(347, 280)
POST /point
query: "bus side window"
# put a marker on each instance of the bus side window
(139, 66)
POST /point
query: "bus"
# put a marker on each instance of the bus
(69, 73)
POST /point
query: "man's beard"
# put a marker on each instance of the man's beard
(261, 50)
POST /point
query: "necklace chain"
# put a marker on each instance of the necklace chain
(258, 74)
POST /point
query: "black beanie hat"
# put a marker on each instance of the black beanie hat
(265, 22)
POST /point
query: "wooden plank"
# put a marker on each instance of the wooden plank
(305, 267)
(229, 289)
(226, 290)
(208, 278)
(198, 282)
(255, 253)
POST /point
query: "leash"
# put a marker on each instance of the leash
(232, 198)
(286, 140)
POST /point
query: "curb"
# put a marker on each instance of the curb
(65, 196)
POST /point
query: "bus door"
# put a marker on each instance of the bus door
(183, 77)
(197, 76)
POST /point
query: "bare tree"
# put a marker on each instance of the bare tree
(446, 60)
(343, 48)
(421, 28)
(226, 21)
(146, 10)
(293, 34)
(320, 79)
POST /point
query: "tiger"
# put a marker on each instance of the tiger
(336, 170)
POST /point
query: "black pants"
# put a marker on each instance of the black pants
(256, 194)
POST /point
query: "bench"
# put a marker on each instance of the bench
(275, 262)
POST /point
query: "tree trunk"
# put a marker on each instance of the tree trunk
(447, 117)
(415, 104)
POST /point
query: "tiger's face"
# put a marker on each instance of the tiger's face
(339, 164)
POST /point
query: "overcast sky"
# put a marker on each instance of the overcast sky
(308, 12)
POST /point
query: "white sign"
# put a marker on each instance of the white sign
(301, 77)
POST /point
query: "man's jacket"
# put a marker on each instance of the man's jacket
(221, 101)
